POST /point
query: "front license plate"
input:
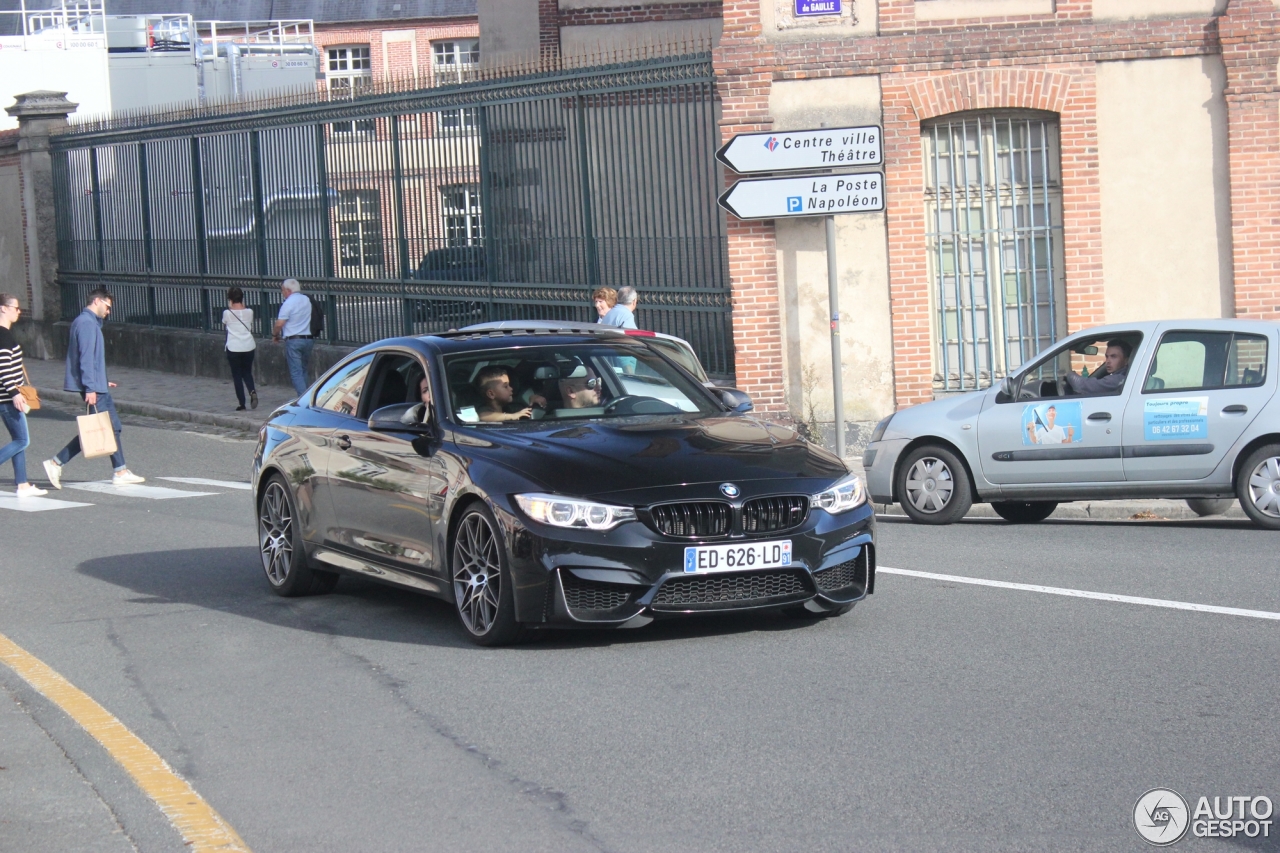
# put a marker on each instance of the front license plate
(732, 558)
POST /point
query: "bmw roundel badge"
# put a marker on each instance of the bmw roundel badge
(729, 490)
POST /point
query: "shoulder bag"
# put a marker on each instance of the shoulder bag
(28, 391)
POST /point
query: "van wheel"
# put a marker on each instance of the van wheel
(1024, 512)
(1208, 506)
(933, 486)
(1258, 486)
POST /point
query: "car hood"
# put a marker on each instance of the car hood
(937, 416)
(596, 458)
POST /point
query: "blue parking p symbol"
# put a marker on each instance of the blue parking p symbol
(794, 204)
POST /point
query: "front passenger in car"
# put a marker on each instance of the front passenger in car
(1116, 369)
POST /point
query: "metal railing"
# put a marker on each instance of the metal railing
(416, 210)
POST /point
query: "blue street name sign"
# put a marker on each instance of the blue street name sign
(817, 7)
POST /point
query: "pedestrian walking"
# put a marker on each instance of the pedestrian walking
(13, 406)
(293, 325)
(241, 346)
(87, 374)
(604, 298)
(622, 315)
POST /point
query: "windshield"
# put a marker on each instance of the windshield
(680, 355)
(577, 381)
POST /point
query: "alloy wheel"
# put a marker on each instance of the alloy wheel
(477, 574)
(1264, 487)
(930, 484)
(275, 533)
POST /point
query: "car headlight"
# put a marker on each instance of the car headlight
(878, 432)
(846, 494)
(571, 512)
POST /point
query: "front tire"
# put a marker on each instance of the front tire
(482, 588)
(1258, 486)
(284, 559)
(933, 486)
(1024, 512)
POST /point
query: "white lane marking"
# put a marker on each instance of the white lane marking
(201, 481)
(155, 493)
(34, 504)
(1082, 593)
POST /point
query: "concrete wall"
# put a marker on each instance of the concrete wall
(862, 253)
(1117, 10)
(1166, 218)
(508, 29)
(603, 38)
(172, 351)
(13, 271)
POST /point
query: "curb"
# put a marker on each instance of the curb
(1160, 510)
(164, 413)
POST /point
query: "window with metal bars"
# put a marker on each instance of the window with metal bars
(360, 252)
(460, 207)
(993, 207)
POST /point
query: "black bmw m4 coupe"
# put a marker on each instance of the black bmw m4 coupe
(545, 479)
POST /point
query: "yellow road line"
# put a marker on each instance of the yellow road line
(202, 828)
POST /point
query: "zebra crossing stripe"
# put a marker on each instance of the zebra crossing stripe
(33, 504)
(155, 493)
(201, 481)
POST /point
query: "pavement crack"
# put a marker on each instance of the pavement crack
(545, 796)
(97, 794)
(130, 671)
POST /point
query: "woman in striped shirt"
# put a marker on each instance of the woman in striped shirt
(13, 408)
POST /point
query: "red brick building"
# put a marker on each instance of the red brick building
(1049, 166)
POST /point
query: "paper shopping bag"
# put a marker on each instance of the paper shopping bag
(97, 438)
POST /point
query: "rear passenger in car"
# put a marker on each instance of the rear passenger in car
(494, 387)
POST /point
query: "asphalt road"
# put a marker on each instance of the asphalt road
(935, 716)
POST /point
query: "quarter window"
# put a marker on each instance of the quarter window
(993, 207)
(1196, 361)
(341, 392)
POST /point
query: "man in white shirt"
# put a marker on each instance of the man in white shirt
(1045, 432)
(293, 324)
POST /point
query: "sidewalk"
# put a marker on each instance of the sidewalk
(199, 400)
(167, 396)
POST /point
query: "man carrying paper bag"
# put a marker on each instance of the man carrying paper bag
(87, 373)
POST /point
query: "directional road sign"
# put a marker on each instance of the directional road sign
(792, 150)
(779, 198)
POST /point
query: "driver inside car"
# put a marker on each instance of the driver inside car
(1109, 378)
(580, 388)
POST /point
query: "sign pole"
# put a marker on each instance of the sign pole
(837, 371)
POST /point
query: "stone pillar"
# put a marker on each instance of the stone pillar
(39, 113)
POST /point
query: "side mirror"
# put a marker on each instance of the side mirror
(738, 401)
(398, 418)
(1005, 394)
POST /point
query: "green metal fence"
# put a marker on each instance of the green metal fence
(414, 211)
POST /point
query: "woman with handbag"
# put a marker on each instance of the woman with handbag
(14, 391)
(238, 321)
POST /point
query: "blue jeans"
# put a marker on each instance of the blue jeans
(104, 404)
(16, 422)
(297, 353)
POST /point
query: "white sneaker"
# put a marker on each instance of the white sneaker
(127, 478)
(30, 490)
(53, 471)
